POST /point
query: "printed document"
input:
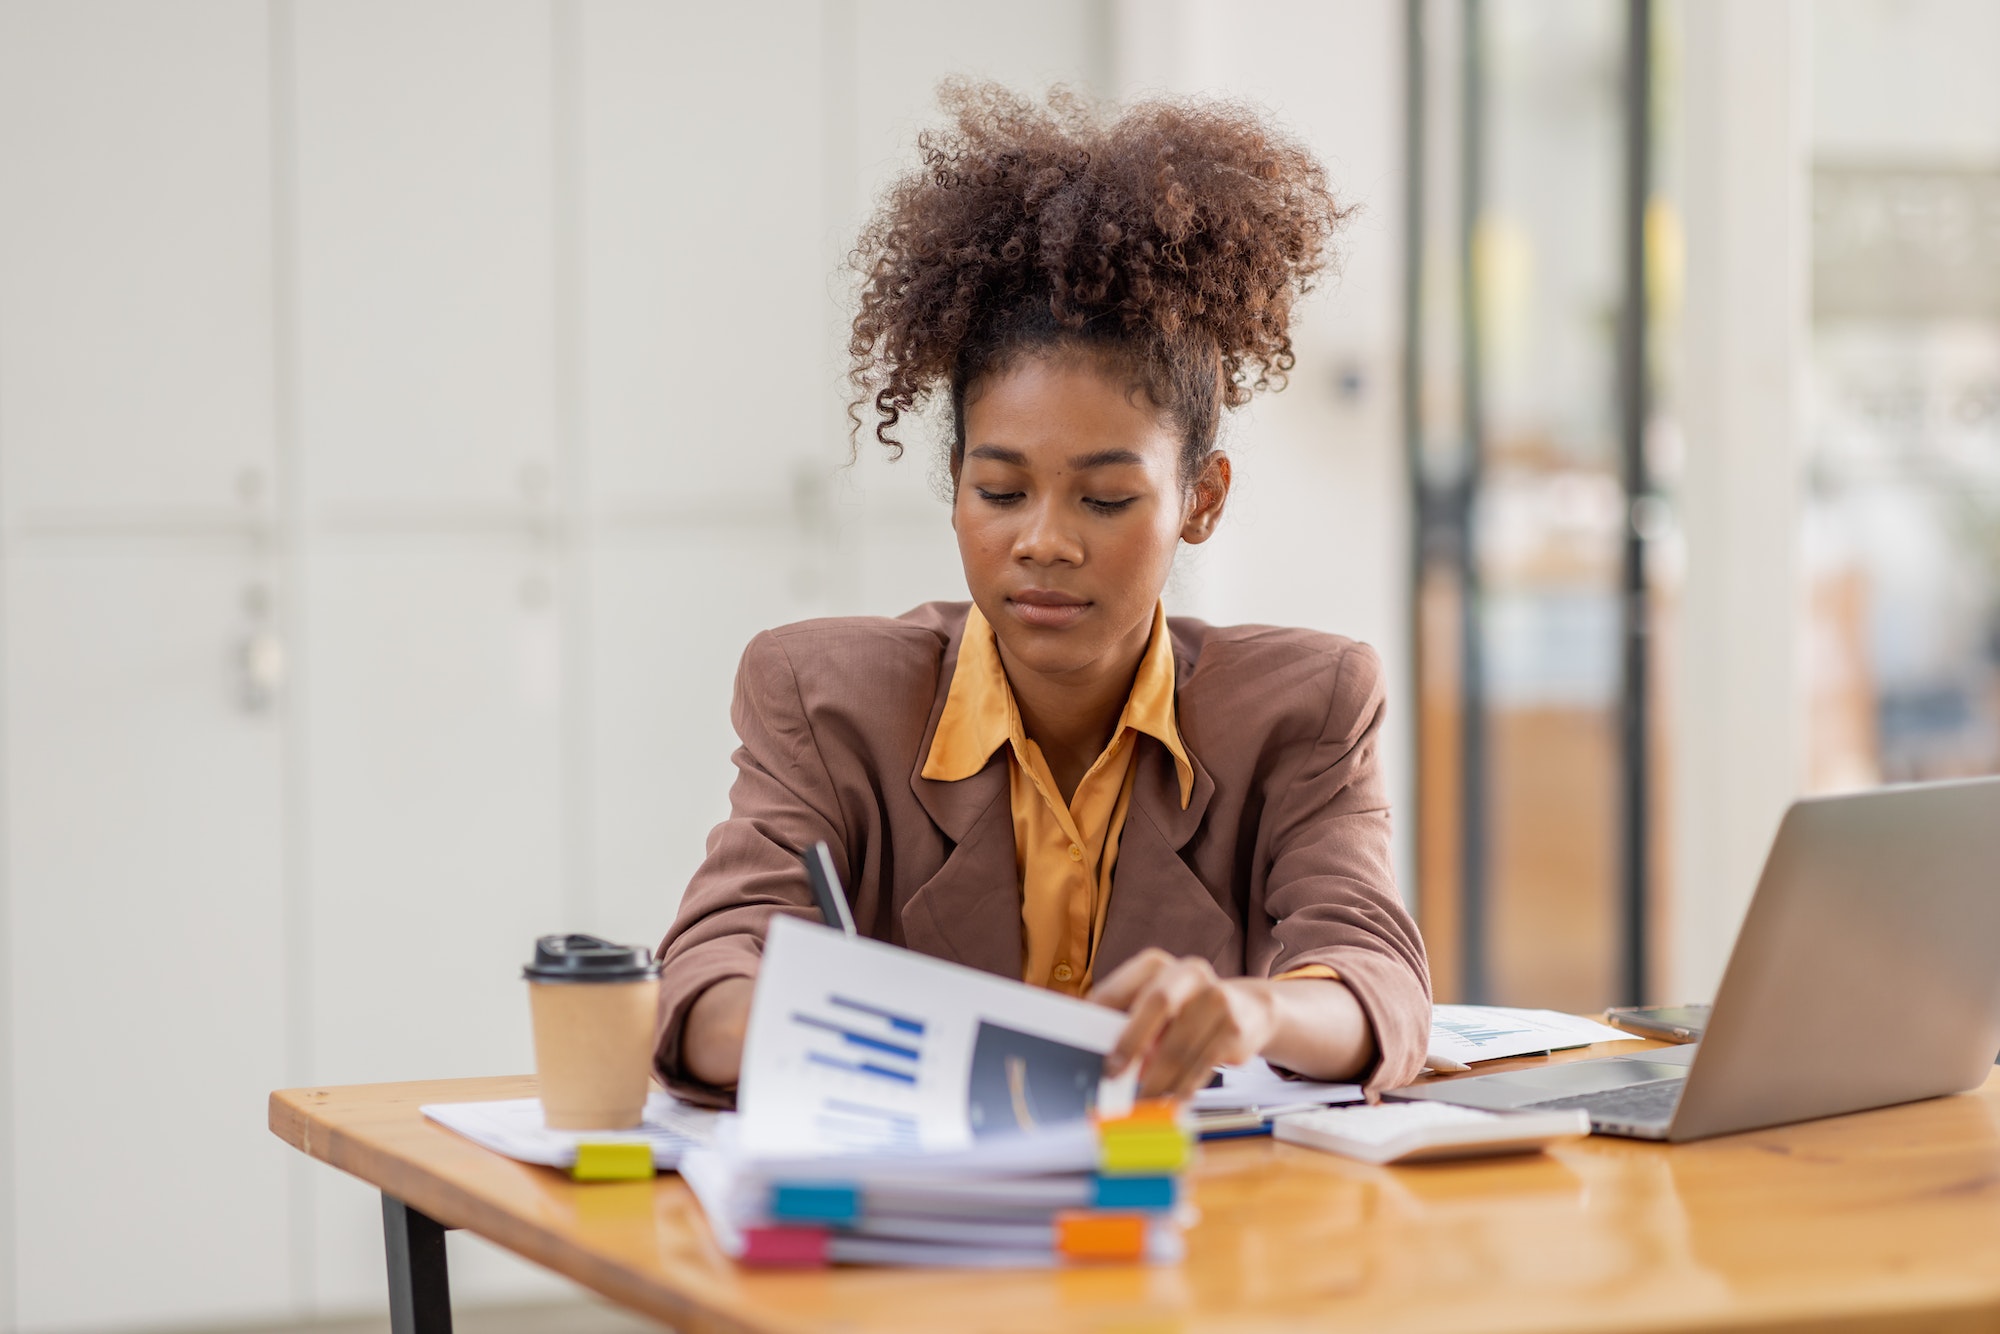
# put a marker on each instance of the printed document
(1468, 1033)
(515, 1128)
(1255, 1084)
(856, 1046)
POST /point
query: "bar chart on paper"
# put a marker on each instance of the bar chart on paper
(1468, 1033)
(867, 1062)
(857, 1046)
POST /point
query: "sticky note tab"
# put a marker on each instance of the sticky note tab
(1151, 1112)
(1136, 1192)
(784, 1247)
(1094, 1236)
(1144, 1151)
(622, 1161)
(816, 1204)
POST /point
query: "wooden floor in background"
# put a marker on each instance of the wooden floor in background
(1554, 834)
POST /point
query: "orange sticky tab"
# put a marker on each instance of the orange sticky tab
(1084, 1235)
(1151, 1112)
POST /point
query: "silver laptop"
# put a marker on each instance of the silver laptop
(1867, 973)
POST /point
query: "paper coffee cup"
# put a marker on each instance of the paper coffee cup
(594, 1005)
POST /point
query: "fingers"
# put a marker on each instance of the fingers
(1130, 978)
(1165, 993)
(1184, 1021)
(1186, 1052)
(1157, 992)
(1123, 990)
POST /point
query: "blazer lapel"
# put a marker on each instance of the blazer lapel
(970, 911)
(1155, 898)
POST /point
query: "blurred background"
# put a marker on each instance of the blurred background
(408, 409)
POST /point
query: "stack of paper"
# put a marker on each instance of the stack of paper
(1244, 1099)
(1109, 1190)
(899, 1109)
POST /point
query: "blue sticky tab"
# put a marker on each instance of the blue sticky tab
(1134, 1193)
(816, 1204)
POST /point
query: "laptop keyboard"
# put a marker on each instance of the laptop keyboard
(1633, 1103)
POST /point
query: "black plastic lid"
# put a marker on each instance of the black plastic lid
(579, 958)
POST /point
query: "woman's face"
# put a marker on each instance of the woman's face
(1068, 509)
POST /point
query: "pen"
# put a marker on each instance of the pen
(825, 882)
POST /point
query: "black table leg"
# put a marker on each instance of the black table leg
(419, 1286)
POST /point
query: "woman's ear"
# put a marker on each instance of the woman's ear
(1211, 492)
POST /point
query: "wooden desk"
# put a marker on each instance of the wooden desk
(1887, 1219)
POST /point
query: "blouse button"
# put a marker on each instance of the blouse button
(1075, 853)
(1064, 972)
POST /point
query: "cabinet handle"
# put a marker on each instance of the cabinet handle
(260, 661)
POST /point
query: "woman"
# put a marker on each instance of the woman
(1057, 782)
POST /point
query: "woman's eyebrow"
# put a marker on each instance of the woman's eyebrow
(1102, 458)
(999, 454)
(1105, 458)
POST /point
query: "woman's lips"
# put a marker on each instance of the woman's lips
(1047, 611)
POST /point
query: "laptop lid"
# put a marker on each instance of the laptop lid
(1867, 971)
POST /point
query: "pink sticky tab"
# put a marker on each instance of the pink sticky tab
(784, 1247)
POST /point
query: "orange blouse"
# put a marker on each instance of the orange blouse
(1064, 852)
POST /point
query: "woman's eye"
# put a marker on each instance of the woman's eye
(997, 497)
(1109, 506)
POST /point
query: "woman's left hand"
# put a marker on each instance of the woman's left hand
(1184, 1021)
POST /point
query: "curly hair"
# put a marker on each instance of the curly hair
(1170, 242)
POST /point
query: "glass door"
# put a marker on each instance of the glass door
(1539, 275)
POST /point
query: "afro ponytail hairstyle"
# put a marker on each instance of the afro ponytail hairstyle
(1169, 241)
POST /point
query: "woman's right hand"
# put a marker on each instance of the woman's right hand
(712, 1038)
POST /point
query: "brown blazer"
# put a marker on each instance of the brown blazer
(1280, 859)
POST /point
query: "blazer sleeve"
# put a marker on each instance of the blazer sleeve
(782, 801)
(1331, 891)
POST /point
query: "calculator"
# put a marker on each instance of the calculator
(1415, 1132)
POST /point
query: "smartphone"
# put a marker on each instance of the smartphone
(1675, 1023)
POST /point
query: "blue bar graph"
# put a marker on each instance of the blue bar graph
(859, 1039)
(861, 1068)
(901, 1023)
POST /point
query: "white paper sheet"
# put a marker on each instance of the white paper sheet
(515, 1128)
(856, 1046)
(1255, 1084)
(1467, 1033)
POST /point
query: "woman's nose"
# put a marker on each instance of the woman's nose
(1045, 538)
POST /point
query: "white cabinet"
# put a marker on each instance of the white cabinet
(426, 255)
(903, 559)
(433, 826)
(135, 260)
(491, 350)
(895, 538)
(434, 802)
(706, 294)
(669, 616)
(147, 948)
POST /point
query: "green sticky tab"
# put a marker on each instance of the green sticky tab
(629, 1161)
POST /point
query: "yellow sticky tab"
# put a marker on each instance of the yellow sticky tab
(1148, 1150)
(632, 1161)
